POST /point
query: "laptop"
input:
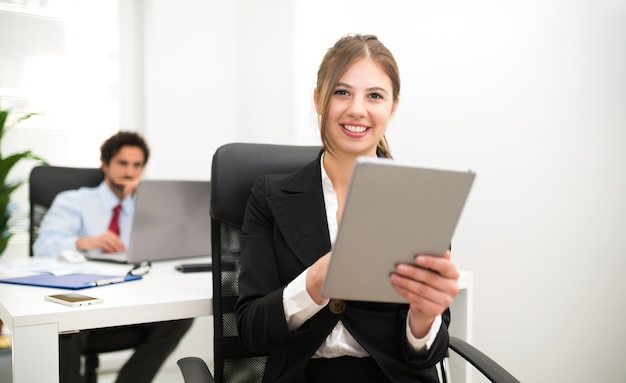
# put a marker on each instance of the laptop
(172, 220)
(393, 212)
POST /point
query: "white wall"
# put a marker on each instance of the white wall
(189, 100)
(529, 94)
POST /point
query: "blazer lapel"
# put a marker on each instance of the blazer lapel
(300, 214)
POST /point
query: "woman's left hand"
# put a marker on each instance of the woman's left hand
(429, 286)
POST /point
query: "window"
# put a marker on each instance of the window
(58, 58)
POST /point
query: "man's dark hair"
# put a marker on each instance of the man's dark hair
(114, 144)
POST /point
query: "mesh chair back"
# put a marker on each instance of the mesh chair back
(235, 168)
(45, 182)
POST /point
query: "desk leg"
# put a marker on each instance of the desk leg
(461, 327)
(36, 353)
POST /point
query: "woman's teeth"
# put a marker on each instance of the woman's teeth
(355, 129)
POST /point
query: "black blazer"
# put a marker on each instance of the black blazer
(285, 231)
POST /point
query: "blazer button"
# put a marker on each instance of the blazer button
(336, 306)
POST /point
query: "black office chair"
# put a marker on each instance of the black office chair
(234, 170)
(45, 182)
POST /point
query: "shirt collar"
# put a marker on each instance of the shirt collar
(327, 184)
(110, 199)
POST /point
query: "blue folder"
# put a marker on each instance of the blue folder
(70, 281)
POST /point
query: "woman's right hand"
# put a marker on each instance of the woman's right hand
(315, 278)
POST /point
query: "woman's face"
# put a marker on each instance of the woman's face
(360, 109)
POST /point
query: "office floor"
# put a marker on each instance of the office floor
(167, 375)
(193, 344)
(190, 345)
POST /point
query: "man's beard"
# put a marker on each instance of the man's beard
(117, 187)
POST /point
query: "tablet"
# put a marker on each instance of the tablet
(393, 211)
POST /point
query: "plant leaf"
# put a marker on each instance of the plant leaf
(4, 115)
(24, 117)
(3, 118)
(6, 164)
(4, 241)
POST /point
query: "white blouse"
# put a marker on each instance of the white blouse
(299, 306)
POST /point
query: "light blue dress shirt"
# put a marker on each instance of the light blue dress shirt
(84, 212)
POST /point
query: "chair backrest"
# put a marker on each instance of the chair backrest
(234, 171)
(45, 182)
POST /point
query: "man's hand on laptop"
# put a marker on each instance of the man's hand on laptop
(108, 242)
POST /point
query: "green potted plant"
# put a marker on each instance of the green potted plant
(7, 188)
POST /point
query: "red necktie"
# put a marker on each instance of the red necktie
(114, 226)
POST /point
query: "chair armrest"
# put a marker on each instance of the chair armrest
(194, 370)
(490, 369)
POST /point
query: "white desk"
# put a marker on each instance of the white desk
(35, 324)
(162, 294)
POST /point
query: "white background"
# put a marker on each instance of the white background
(529, 94)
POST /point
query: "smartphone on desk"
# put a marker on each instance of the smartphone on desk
(73, 299)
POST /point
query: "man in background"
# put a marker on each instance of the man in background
(99, 219)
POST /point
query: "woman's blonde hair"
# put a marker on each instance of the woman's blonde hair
(336, 62)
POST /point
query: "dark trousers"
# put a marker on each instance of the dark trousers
(152, 342)
(345, 369)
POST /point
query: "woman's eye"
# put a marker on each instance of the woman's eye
(376, 95)
(341, 92)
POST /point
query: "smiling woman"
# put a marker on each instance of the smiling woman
(362, 104)
(382, 90)
(288, 231)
